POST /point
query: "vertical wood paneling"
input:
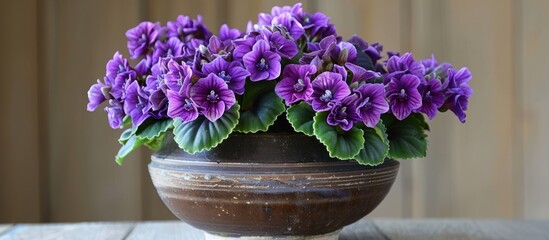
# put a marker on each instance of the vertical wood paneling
(534, 87)
(479, 35)
(85, 182)
(19, 147)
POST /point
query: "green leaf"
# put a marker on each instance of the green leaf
(154, 129)
(125, 136)
(260, 107)
(407, 138)
(156, 143)
(301, 117)
(262, 114)
(201, 134)
(340, 144)
(132, 143)
(376, 146)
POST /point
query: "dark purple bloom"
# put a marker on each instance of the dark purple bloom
(243, 46)
(187, 29)
(328, 87)
(226, 34)
(118, 64)
(136, 104)
(291, 24)
(141, 38)
(156, 84)
(96, 96)
(361, 75)
(144, 66)
(329, 50)
(344, 52)
(371, 103)
(213, 96)
(118, 85)
(177, 75)
(344, 113)
(232, 73)
(313, 22)
(181, 105)
(172, 48)
(432, 97)
(458, 92)
(296, 83)
(261, 62)
(340, 70)
(373, 51)
(281, 45)
(405, 64)
(265, 19)
(115, 114)
(403, 95)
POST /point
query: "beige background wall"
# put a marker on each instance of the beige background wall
(56, 159)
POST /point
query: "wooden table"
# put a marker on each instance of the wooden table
(381, 229)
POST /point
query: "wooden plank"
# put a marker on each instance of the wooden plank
(19, 150)
(4, 228)
(533, 51)
(172, 230)
(85, 182)
(463, 229)
(482, 151)
(361, 230)
(84, 231)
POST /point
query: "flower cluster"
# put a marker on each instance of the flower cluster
(185, 73)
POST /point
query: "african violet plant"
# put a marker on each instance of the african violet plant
(289, 65)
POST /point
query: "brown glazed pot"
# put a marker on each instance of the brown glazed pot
(268, 185)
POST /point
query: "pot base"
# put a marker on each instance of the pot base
(329, 236)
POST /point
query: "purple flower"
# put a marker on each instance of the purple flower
(329, 50)
(398, 66)
(432, 97)
(181, 105)
(244, 46)
(232, 73)
(156, 85)
(371, 103)
(373, 51)
(291, 24)
(226, 34)
(360, 74)
(177, 75)
(96, 96)
(344, 113)
(115, 114)
(328, 87)
(172, 48)
(458, 92)
(296, 83)
(281, 45)
(187, 29)
(118, 64)
(213, 96)
(403, 95)
(313, 22)
(141, 38)
(261, 62)
(136, 104)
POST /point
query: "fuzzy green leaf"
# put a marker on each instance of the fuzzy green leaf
(340, 144)
(407, 138)
(132, 143)
(154, 129)
(301, 117)
(201, 134)
(262, 114)
(376, 146)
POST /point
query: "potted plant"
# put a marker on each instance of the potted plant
(281, 130)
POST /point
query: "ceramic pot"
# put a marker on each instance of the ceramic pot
(268, 186)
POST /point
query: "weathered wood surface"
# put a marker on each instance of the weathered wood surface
(463, 229)
(4, 228)
(83, 231)
(382, 229)
(172, 230)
